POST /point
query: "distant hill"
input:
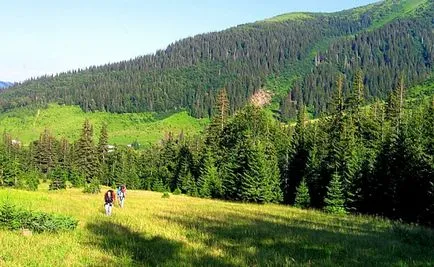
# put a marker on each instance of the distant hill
(295, 56)
(66, 121)
(5, 84)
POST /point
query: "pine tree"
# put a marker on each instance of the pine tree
(86, 159)
(272, 185)
(222, 110)
(158, 185)
(302, 199)
(218, 121)
(358, 95)
(58, 178)
(229, 177)
(260, 183)
(45, 152)
(299, 157)
(395, 103)
(188, 185)
(335, 202)
(209, 182)
(252, 181)
(64, 154)
(11, 171)
(103, 144)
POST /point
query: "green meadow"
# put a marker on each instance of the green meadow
(187, 231)
(66, 121)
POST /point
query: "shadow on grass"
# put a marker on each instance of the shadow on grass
(267, 242)
(132, 248)
(135, 249)
(253, 239)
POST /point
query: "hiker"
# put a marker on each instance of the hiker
(109, 199)
(122, 191)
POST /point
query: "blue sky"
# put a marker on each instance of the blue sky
(51, 36)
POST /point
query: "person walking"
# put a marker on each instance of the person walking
(122, 193)
(109, 199)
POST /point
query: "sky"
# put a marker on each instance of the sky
(40, 37)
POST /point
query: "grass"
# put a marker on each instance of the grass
(186, 231)
(398, 10)
(290, 16)
(66, 121)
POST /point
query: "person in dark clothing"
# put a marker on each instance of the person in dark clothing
(109, 199)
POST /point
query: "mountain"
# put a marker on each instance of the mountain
(5, 84)
(296, 56)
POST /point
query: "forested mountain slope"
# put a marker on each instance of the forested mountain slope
(297, 56)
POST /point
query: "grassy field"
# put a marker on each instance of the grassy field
(186, 231)
(67, 121)
(289, 16)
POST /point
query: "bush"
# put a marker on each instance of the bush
(57, 185)
(177, 191)
(76, 178)
(13, 218)
(29, 181)
(92, 188)
(165, 195)
(158, 185)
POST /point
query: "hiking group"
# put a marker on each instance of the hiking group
(110, 198)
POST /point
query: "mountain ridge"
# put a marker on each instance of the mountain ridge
(296, 58)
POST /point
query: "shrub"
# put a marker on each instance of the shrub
(158, 185)
(177, 191)
(92, 188)
(165, 195)
(76, 178)
(29, 180)
(13, 218)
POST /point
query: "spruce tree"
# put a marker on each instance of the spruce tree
(299, 156)
(103, 144)
(189, 186)
(58, 178)
(252, 184)
(45, 152)
(260, 183)
(334, 201)
(218, 121)
(158, 185)
(102, 151)
(86, 159)
(209, 182)
(302, 198)
(222, 110)
(272, 185)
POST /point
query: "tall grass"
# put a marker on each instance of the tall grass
(186, 231)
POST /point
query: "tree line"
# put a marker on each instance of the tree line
(357, 158)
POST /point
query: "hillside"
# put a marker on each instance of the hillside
(186, 231)
(297, 56)
(66, 121)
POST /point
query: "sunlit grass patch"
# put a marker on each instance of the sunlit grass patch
(186, 231)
